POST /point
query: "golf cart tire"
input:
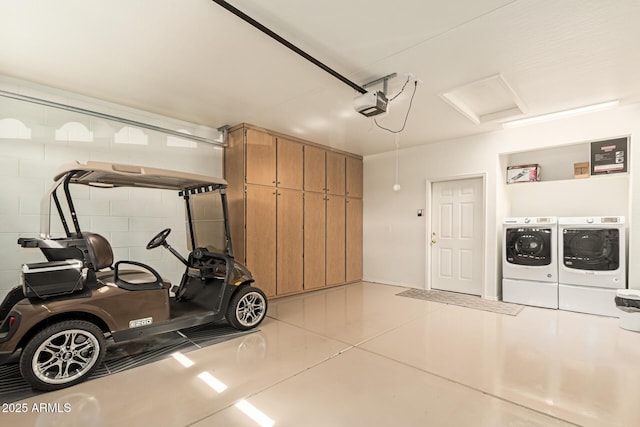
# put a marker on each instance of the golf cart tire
(79, 362)
(247, 309)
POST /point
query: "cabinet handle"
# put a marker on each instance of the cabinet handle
(273, 192)
(273, 182)
(278, 182)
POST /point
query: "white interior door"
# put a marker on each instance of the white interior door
(457, 236)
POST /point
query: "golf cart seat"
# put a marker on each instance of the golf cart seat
(100, 257)
(99, 251)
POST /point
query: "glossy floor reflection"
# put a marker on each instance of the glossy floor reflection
(360, 355)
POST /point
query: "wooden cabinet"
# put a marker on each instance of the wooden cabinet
(354, 177)
(260, 158)
(315, 220)
(273, 161)
(315, 176)
(274, 238)
(336, 237)
(354, 219)
(290, 213)
(295, 211)
(234, 174)
(354, 240)
(335, 173)
(289, 166)
(261, 236)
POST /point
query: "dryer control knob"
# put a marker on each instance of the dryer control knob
(527, 220)
(589, 220)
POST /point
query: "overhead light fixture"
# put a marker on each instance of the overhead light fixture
(560, 114)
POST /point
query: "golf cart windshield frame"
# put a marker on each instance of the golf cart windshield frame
(192, 184)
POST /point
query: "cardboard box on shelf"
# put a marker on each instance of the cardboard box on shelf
(581, 170)
(523, 173)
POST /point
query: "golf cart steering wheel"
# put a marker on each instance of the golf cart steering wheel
(159, 239)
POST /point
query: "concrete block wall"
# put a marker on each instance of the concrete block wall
(128, 218)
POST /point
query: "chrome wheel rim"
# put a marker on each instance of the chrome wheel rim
(250, 309)
(65, 356)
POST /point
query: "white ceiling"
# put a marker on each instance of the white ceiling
(195, 61)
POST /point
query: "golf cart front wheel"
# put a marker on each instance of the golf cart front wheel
(62, 354)
(248, 307)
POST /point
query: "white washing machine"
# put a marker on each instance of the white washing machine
(591, 263)
(529, 262)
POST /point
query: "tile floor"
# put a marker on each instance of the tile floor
(358, 355)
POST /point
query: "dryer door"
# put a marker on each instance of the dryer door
(528, 246)
(595, 249)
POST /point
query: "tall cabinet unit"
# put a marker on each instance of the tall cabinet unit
(290, 244)
(336, 240)
(353, 247)
(336, 221)
(354, 219)
(295, 211)
(315, 217)
(260, 236)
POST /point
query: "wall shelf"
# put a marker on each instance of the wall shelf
(556, 163)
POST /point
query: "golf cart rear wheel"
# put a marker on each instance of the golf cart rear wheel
(248, 307)
(62, 354)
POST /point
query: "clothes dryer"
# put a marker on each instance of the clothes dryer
(529, 262)
(591, 263)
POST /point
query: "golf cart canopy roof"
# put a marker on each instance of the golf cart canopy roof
(101, 174)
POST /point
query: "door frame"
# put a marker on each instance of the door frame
(427, 235)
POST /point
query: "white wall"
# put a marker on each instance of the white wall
(395, 238)
(128, 218)
(595, 196)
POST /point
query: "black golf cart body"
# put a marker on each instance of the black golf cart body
(59, 316)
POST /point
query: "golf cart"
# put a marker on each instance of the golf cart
(58, 320)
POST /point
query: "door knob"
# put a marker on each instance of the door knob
(433, 242)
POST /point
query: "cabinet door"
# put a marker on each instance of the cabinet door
(261, 158)
(290, 241)
(335, 173)
(354, 240)
(290, 164)
(335, 240)
(234, 174)
(315, 216)
(314, 169)
(260, 243)
(354, 177)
